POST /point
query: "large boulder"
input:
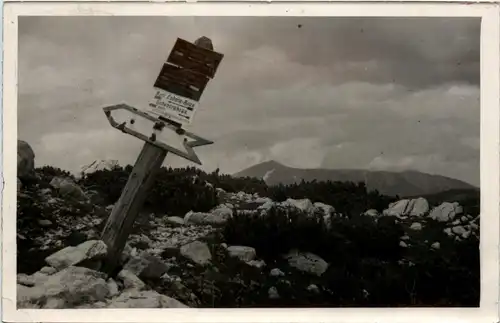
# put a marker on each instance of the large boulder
(446, 212)
(70, 287)
(408, 207)
(67, 188)
(25, 159)
(242, 252)
(89, 251)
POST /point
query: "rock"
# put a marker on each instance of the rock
(416, 226)
(403, 244)
(313, 289)
(113, 288)
(25, 280)
(55, 303)
(459, 230)
(200, 218)
(304, 205)
(436, 245)
(76, 285)
(446, 212)
(198, 252)
(448, 232)
(130, 281)
(243, 253)
(144, 299)
(407, 207)
(25, 159)
(273, 293)
(44, 223)
(371, 212)
(223, 212)
(174, 221)
(307, 262)
(68, 188)
(146, 266)
(405, 237)
(276, 272)
(256, 263)
(326, 209)
(69, 256)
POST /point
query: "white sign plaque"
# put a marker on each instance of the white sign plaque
(172, 106)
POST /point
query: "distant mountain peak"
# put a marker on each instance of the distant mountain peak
(402, 183)
(99, 165)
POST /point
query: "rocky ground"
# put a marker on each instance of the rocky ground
(248, 251)
(177, 262)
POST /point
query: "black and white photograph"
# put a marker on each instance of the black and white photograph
(248, 162)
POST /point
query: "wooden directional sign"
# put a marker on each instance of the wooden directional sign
(179, 86)
(182, 80)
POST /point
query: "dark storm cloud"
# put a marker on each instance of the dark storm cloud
(378, 93)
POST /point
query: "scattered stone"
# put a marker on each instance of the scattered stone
(276, 272)
(242, 252)
(307, 262)
(403, 244)
(198, 252)
(175, 221)
(436, 245)
(44, 223)
(69, 256)
(416, 226)
(130, 281)
(273, 293)
(313, 289)
(256, 263)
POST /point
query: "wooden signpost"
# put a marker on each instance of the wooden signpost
(178, 89)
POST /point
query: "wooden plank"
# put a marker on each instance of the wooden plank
(184, 77)
(175, 88)
(188, 55)
(125, 211)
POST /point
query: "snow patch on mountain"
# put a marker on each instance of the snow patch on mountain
(99, 165)
(268, 174)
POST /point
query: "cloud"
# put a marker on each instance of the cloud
(336, 93)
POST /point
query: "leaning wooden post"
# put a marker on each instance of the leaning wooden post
(178, 89)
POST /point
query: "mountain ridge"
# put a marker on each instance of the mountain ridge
(401, 183)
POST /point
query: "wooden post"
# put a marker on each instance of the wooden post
(125, 211)
(182, 80)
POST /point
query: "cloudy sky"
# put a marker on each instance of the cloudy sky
(371, 93)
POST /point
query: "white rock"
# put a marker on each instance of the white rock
(446, 212)
(130, 280)
(327, 210)
(242, 252)
(371, 212)
(74, 284)
(405, 237)
(407, 207)
(459, 230)
(144, 299)
(448, 232)
(304, 205)
(416, 226)
(313, 288)
(403, 244)
(276, 272)
(436, 245)
(256, 263)
(198, 252)
(69, 256)
(273, 293)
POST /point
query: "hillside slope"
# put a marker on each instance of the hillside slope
(407, 183)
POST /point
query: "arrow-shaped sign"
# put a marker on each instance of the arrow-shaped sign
(153, 139)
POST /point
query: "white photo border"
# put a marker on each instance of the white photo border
(489, 163)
